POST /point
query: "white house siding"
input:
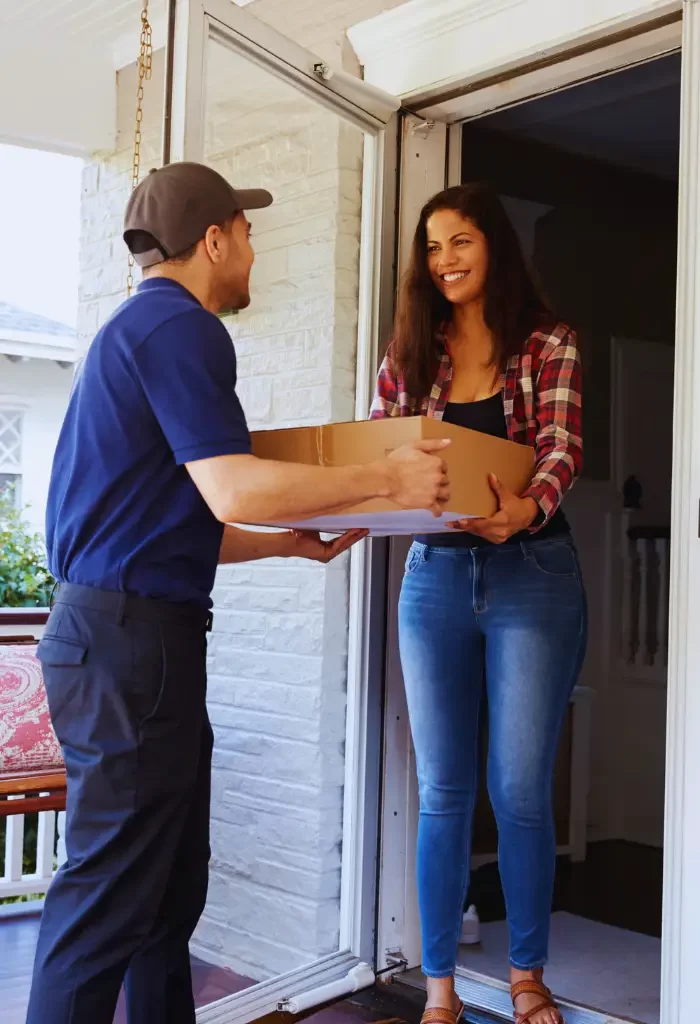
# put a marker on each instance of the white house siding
(40, 388)
(278, 652)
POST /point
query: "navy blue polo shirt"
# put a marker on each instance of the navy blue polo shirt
(155, 390)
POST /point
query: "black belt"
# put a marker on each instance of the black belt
(131, 606)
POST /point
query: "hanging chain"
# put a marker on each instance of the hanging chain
(145, 69)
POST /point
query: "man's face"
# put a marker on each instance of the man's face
(233, 267)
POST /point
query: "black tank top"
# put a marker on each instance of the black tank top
(487, 417)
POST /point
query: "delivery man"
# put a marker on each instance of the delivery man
(153, 459)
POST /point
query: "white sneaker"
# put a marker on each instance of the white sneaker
(470, 934)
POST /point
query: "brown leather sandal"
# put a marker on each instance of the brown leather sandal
(535, 988)
(438, 1015)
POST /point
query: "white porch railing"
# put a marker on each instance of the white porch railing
(13, 881)
(643, 649)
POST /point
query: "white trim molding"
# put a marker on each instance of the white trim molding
(29, 345)
(424, 48)
(423, 170)
(517, 86)
(423, 23)
(681, 913)
(422, 174)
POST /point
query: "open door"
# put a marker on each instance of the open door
(290, 916)
(428, 163)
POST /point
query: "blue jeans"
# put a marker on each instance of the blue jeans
(510, 620)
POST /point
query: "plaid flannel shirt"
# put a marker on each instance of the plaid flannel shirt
(541, 390)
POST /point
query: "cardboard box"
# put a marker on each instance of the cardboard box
(470, 458)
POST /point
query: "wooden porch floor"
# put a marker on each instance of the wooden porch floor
(18, 935)
(384, 1004)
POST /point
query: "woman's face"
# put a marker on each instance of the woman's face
(458, 256)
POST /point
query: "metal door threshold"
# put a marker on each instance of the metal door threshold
(487, 1000)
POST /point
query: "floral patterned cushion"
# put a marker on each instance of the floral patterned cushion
(27, 740)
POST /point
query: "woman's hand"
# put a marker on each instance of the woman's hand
(514, 514)
(308, 544)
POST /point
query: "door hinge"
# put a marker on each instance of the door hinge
(395, 959)
(423, 129)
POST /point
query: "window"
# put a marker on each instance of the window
(10, 480)
(11, 451)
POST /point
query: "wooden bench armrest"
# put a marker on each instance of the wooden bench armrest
(15, 783)
(52, 786)
(50, 802)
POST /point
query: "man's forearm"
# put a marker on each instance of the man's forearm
(251, 545)
(287, 491)
(260, 490)
(245, 489)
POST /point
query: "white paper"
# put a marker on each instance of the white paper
(380, 524)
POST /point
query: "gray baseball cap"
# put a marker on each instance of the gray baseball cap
(177, 204)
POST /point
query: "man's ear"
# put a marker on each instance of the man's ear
(211, 242)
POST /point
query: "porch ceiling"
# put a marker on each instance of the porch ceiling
(91, 23)
(58, 60)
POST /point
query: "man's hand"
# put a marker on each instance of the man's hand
(514, 514)
(418, 476)
(308, 544)
(251, 545)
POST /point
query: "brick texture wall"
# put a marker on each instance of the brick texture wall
(278, 653)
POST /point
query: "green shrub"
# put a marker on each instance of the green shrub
(25, 582)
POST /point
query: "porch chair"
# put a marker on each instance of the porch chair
(30, 756)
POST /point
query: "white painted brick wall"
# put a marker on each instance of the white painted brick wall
(278, 653)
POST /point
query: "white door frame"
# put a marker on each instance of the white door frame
(198, 21)
(422, 174)
(397, 934)
(681, 913)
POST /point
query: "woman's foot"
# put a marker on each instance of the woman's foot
(442, 996)
(535, 1006)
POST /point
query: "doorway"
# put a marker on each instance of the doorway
(589, 176)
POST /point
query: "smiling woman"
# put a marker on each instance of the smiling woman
(500, 602)
(464, 249)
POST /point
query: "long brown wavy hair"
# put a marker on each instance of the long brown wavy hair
(512, 303)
